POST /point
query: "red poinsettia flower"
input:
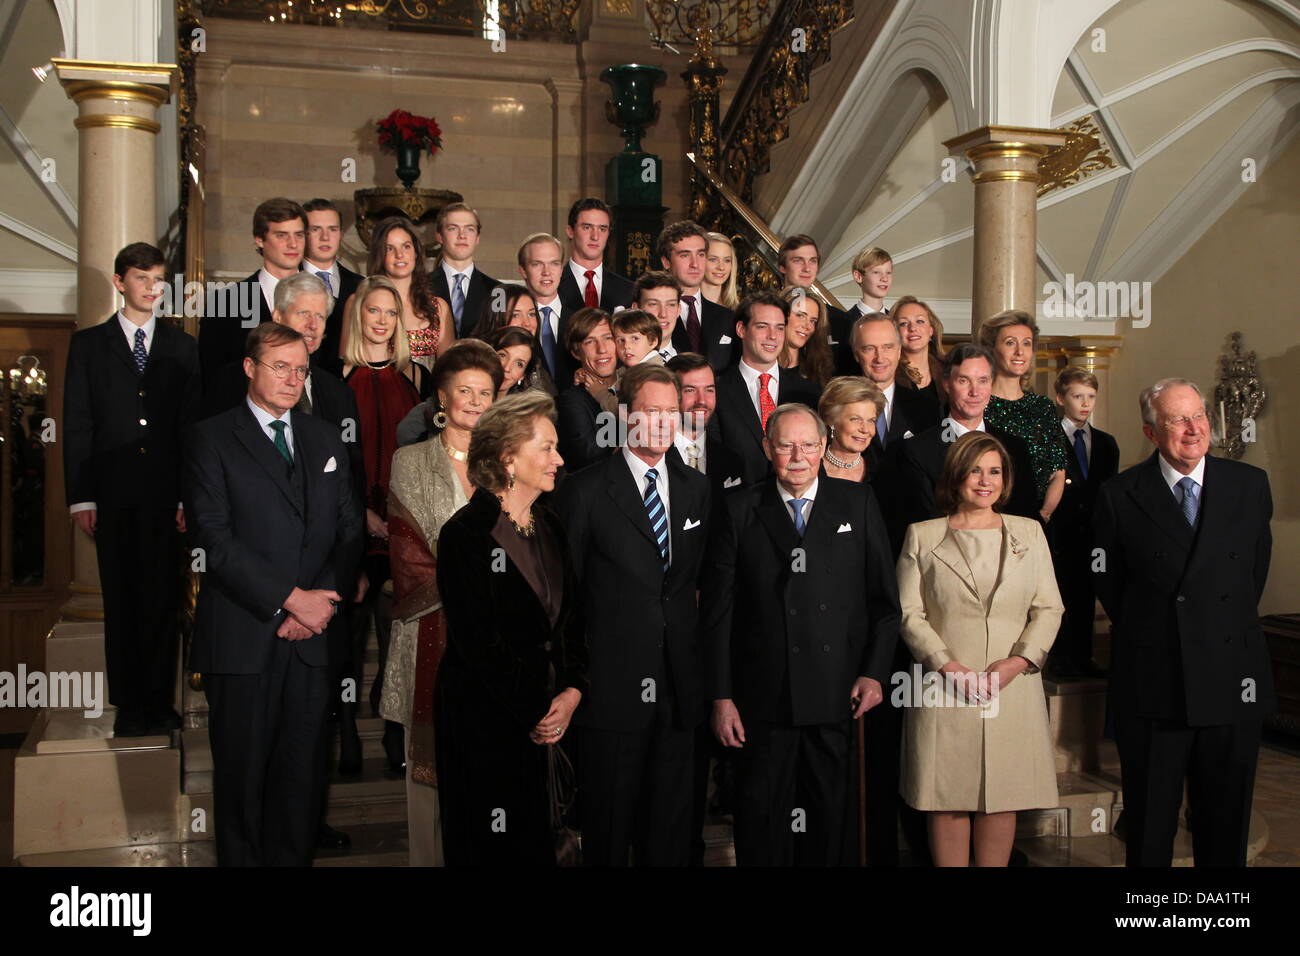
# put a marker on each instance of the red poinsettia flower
(403, 128)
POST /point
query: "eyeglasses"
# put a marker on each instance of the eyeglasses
(281, 371)
(808, 448)
(1182, 421)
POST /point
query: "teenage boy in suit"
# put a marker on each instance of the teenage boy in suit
(324, 235)
(457, 280)
(586, 282)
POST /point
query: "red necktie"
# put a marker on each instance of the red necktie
(693, 324)
(765, 404)
(589, 297)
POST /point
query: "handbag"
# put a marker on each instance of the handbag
(562, 789)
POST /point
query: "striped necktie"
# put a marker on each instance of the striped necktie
(458, 302)
(654, 508)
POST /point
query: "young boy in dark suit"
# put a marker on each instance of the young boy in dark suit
(1092, 457)
(132, 389)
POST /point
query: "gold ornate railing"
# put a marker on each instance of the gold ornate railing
(734, 24)
(516, 19)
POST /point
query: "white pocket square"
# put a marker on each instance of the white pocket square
(844, 527)
(331, 465)
(725, 340)
(730, 482)
(691, 524)
(907, 434)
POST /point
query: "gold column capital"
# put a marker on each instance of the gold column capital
(153, 83)
(1017, 139)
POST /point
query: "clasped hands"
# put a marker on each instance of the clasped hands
(307, 613)
(727, 727)
(984, 686)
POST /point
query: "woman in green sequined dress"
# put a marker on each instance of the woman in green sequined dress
(1012, 337)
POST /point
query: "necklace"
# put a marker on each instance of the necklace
(523, 530)
(841, 463)
(454, 453)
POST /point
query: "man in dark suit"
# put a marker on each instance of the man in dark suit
(324, 234)
(1185, 547)
(749, 392)
(131, 391)
(1092, 459)
(541, 264)
(637, 524)
(968, 382)
(878, 348)
(586, 281)
(702, 326)
(801, 616)
(459, 282)
(280, 234)
(274, 509)
(799, 261)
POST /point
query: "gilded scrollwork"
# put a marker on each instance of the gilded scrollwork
(1085, 152)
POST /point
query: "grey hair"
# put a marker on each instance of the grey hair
(790, 408)
(1147, 400)
(287, 291)
(862, 320)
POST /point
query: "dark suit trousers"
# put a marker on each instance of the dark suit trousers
(637, 793)
(1074, 639)
(792, 795)
(1217, 762)
(139, 572)
(268, 757)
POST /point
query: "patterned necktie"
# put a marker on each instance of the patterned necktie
(693, 456)
(693, 325)
(140, 355)
(797, 504)
(325, 277)
(458, 301)
(589, 296)
(882, 427)
(654, 509)
(548, 341)
(1190, 502)
(765, 404)
(281, 445)
(1081, 451)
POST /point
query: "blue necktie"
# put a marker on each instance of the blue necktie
(548, 341)
(654, 509)
(458, 301)
(1190, 500)
(325, 277)
(1081, 451)
(797, 504)
(141, 356)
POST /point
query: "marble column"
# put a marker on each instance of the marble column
(117, 123)
(1006, 214)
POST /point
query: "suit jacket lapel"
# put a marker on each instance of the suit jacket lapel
(742, 407)
(1153, 496)
(685, 506)
(950, 553)
(263, 451)
(776, 519)
(1012, 553)
(623, 489)
(116, 342)
(1214, 517)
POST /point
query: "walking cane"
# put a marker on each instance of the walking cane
(862, 790)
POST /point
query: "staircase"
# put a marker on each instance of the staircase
(83, 798)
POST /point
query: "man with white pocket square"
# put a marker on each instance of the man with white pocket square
(800, 614)
(272, 506)
(637, 524)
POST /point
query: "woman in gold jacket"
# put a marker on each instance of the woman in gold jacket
(980, 611)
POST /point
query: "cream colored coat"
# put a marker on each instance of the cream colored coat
(955, 757)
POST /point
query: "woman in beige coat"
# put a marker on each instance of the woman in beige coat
(980, 610)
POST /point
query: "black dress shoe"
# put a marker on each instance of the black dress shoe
(327, 838)
(162, 721)
(395, 747)
(130, 723)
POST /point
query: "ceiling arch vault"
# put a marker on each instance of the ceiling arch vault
(1192, 99)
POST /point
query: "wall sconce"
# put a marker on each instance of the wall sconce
(1238, 399)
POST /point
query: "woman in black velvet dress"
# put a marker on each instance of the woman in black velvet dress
(516, 660)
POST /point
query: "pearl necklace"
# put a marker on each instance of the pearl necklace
(839, 462)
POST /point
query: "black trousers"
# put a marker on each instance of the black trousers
(793, 794)
(139, 572)
(1074, 639)
(637, 791)
(268, 757)
(1218, 765)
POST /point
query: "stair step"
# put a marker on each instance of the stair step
(373, 844)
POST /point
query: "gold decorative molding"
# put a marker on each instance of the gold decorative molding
(154, 83)
(1005, 176)
(1084, 153)
(116, 121)
(418, 205)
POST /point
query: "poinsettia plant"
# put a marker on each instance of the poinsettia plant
(401, 128)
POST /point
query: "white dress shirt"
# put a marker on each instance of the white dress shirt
(750, 376)
(554, 306)
(958, 429)
(268, 283)
(451, 273)
(264, 419)
(639, 469)
(666, 351)
(889, 402)
(1070, 428)
(580, 274)
(809, 496)
(687, 446)
(1173, 477)
(333, 272)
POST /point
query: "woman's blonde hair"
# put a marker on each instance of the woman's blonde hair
(729, 296)
(846, 390)
(399, 347)
(935, 350)
(501, 430)
(988, 336)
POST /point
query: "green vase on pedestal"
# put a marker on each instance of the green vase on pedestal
(408, 163)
